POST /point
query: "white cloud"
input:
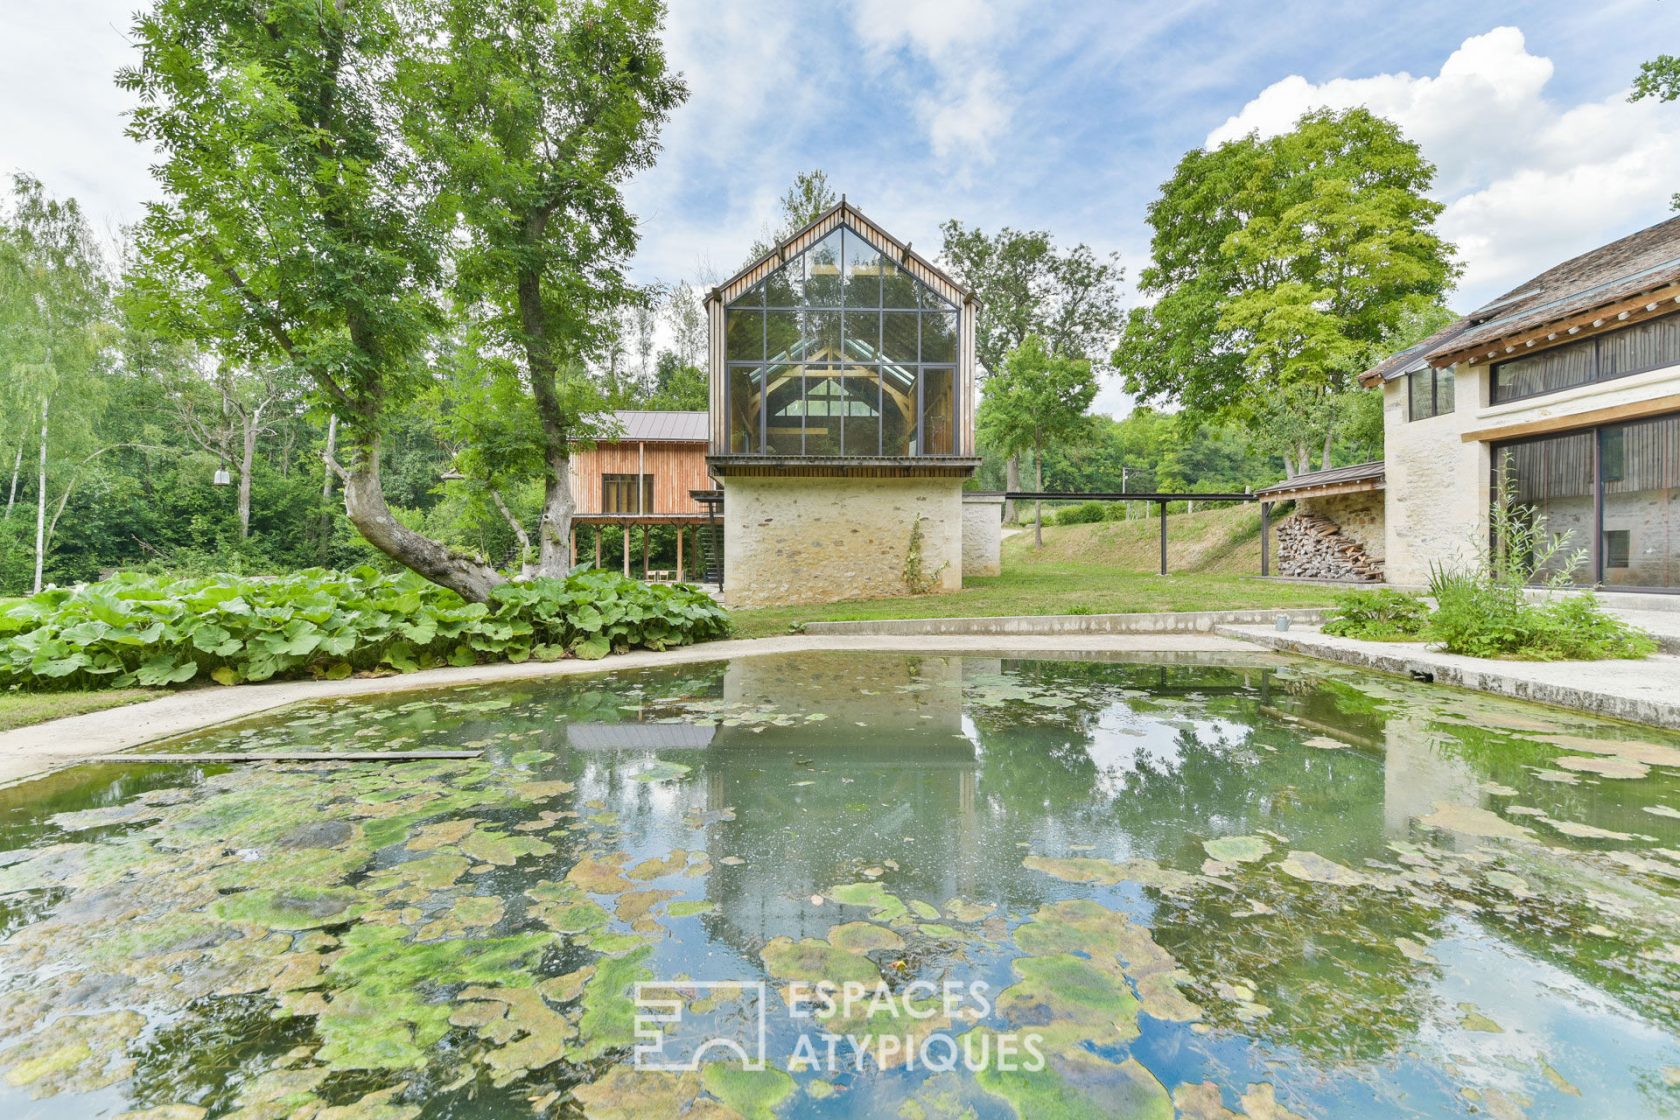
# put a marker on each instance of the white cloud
(1527, 183)
(968, 105)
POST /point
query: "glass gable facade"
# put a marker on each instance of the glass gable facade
(841, 352)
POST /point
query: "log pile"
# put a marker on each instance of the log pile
(1314, 547)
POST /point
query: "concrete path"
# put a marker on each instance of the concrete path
(1645, 691)
(47, 746)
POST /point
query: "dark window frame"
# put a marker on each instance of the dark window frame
(1435, 394)
(1596, 378)
(620, 481)
(928, 302)
(1597, 544)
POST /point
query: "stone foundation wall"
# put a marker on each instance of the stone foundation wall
(982, 534)
(820, 540)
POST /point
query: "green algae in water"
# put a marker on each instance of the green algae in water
(1161, 871)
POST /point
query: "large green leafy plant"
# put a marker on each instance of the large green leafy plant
(151, 631)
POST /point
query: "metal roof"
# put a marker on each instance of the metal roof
(1624, 269)
(1361, 476)
(657, 427)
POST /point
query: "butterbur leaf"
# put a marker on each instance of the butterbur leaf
(225, 674)
(592, 649)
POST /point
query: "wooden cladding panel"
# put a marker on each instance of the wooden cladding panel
(676, 468)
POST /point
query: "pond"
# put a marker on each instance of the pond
(919, 887)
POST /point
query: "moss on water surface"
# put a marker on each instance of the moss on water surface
(1161, 874)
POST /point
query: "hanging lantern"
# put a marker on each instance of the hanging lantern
(223, 478)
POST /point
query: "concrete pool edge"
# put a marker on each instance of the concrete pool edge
(1645, 692)
(28, 752)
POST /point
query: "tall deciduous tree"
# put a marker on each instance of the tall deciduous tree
(1070, 300)
(1279, 263)
(298, 224)
(1037, 398)
(809, 198)
(534, 113)
(1659, 78)
(55, 322)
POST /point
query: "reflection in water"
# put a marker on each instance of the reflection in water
(1245, 883)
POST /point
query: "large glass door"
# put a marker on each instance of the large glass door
(1639, 469)
(1614, 490)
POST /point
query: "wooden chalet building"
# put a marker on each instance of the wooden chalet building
(645, 476)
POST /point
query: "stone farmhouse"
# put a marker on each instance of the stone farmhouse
(1567, 388)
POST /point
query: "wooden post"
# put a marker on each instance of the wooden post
(574, 546)
(597, 546)
(627, 550)
(1163, 538)
(679, 554)
(644, 553)
(1265, 538)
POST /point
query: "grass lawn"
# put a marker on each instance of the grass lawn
(1105, 568)
(20, 709)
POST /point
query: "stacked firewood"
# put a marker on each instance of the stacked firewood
(1314, 547)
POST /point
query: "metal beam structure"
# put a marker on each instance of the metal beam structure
(1159, 499)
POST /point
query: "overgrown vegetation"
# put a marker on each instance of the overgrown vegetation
(142, 630)
(1483, 609)
(1379, 615)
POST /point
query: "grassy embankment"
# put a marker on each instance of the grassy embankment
(20, 709)
(1213, 560)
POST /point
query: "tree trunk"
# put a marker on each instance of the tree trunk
(527, 568)
(41, 502)
(1038, 506)
(1011, 481)
(248, 454)
(364, 504)
(1329, 436)
(554, 531)
(17, 468)
(327, 459)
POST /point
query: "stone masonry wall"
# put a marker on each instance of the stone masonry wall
(820, 540)
(982, 534)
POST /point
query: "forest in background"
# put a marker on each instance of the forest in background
(157, 413)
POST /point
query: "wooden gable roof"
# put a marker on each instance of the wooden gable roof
(842, 213)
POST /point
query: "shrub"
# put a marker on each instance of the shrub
(1483, 610)
(145, 630)
(1379, 615)
(1085, 513)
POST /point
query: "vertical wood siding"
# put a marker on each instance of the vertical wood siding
(676, 468)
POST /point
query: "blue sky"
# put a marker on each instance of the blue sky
(1060, 115)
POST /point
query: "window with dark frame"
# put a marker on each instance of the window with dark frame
(619, 493)
(1429, 393)
(1600, 485)
(842, 351)
(1633, 349)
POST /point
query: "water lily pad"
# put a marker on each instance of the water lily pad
(292, 908)
(1237, 849)
(1605, 766)
(864, 937)
(1079, 1085)
(813, 960)
(1471, 821)
(1310, 867)
(626, 1093)
(753, 1094)
(661, 771)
